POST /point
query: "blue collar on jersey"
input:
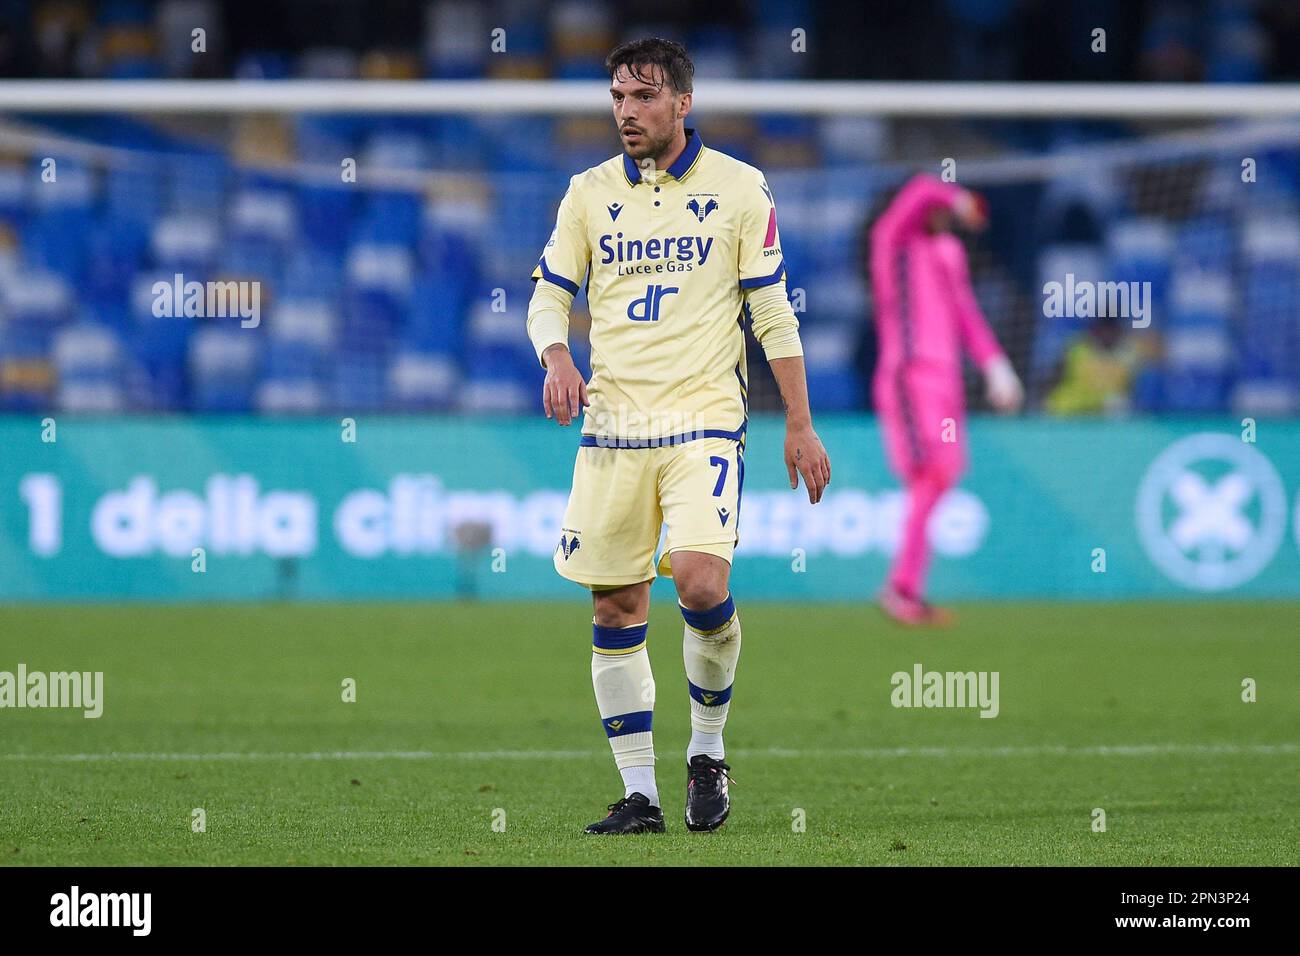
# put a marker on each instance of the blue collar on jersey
(680, 167)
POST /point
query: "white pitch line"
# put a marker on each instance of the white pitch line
(1044, 750)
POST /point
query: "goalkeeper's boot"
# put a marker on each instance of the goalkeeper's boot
(910, 610)
(632, 814)
(707, 800)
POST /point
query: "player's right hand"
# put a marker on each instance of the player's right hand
(972, 210)
(564, 393)
(1002, 386)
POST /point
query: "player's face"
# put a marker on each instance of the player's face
(646, 111)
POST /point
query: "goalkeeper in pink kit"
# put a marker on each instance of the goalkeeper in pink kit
(926, 316)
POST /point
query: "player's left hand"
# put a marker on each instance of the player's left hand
(805, 455)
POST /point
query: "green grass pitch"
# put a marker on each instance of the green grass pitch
(470, 714)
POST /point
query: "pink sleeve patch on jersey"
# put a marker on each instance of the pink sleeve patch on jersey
(771, 230)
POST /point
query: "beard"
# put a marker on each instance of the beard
(649, 145)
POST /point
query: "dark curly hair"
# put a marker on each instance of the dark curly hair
(669, 55)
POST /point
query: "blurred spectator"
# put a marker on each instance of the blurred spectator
(1096, 375)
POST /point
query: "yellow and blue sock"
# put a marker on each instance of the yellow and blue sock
(625, 694)
(711, 650)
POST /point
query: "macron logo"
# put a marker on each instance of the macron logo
(102, 909)
(614, 209)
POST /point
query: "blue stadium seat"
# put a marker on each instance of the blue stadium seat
(223, 364)
(1148, 391)
(187, 244)
(390, 149)
(835, 391)
(360, 385)
(422, 381)
(73, 186)
(286, 396)
(264, 215)
(327, 215)
(459, 143)
(31, 313)
(1141, 250)
(449, 252)
(506, 133)
(312, 273)
(159, 346)
(437, 310)
(88, 360)
(197, 184)
(37, 304)
(833, 383)
(1268, 332)
(133, 195)
(115, 252)
(46, 242)
(300, 356)
(380, 281)
(309, 322)
(486, 394)
(1207, 242)
(1198, 345)
(391, 218)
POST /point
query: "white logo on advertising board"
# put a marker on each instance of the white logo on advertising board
(1211, 512)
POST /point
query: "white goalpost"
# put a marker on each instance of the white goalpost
(555, 97)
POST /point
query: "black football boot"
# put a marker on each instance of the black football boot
(707, 801)
(632, 814)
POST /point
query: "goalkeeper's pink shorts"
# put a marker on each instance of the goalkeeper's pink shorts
(923, 420)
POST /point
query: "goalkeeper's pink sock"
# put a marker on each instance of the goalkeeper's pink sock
(907, 575)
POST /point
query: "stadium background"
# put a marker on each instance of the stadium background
(1125, 552)
(403, 293)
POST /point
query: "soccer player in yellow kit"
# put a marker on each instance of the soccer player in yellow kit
(678, 244)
